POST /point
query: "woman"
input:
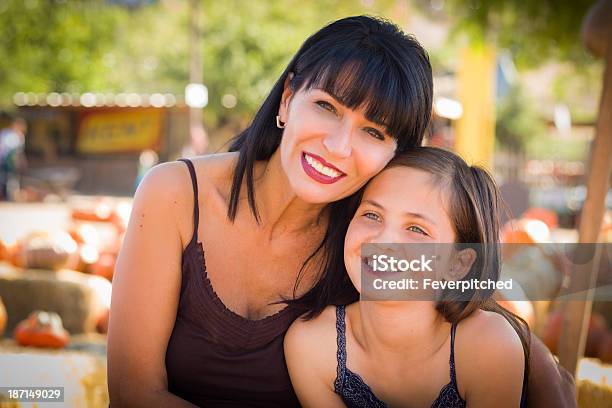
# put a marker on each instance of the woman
(448, 349)
(198, 309)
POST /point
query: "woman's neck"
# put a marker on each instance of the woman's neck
(280, 209)
(406, 328)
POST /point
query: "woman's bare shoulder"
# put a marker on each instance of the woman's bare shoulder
(168, 185)
(218, 166)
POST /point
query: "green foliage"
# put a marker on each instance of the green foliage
(517, 121)
(533, 31)
(93, 46)
(53, 46)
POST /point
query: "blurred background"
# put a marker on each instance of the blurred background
(94, 93)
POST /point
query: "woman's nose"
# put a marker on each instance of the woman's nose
(339, 142)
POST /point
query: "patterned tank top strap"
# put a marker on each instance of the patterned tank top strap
(453, 374)
(196, 206)
(341, 353)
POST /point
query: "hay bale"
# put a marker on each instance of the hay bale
(78, 298)
(592, 395)
(594, 384)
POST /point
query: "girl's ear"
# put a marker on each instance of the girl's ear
(461, 264)
(283, 109)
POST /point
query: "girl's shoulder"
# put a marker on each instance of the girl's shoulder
(320, 328)
(487, 329)
(487, 346)
(315, 341)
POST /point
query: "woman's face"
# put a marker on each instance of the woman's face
(400, 205)
(329, 151)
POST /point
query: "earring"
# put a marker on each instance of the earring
(279, 124)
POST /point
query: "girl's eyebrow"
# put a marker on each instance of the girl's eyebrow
(406, 214)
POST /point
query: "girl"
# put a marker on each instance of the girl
(214, 246)
(445, 353)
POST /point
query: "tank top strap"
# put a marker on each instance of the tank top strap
(453, 374)
(196, 206)
(341, 353)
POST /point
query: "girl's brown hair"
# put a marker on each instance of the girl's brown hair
(474, 209)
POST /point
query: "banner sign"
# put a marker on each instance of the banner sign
(112, 131)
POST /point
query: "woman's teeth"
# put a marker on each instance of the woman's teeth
(321, 168)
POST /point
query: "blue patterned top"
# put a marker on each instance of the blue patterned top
(357, 394)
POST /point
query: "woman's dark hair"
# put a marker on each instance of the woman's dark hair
(474, 209)
(364, 63)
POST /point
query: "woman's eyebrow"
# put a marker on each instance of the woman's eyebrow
(336, 98)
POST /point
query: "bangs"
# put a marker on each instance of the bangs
(376, 85)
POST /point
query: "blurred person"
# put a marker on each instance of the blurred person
(12, 156)
(147, 159)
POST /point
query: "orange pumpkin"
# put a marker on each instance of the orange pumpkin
(105, 266)
(3, 318)
(102, 322)
(3, 251)
(16, 254)
(42, 329)
(549, 217)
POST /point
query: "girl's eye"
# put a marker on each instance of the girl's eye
(375, 133)
(416, 229)
(372, 216)
(327, 106)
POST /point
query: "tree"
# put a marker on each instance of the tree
(533, 31)
(53, 46)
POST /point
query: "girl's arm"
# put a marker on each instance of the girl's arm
(146, 289)
(489, 361)
(310, 352)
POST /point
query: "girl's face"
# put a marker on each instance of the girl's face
(400, 205)
(329, 151)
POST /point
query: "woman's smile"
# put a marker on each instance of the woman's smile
(320, 170)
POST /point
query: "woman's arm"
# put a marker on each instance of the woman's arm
(146, 287)
(489, 362)
(310, 352)
(549, 383)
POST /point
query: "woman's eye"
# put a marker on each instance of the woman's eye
(416, 229)
(327, 106)
(372, 216)
(375, 133)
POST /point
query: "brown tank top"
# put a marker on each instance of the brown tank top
(217, 358)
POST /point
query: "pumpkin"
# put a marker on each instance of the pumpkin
(50, 251)
(596, 342)
(105, 266)
(42, 329)
(547, 216)
(3, 251)
(3, 318)
(100, 211)
(15, 254)
(102, 322)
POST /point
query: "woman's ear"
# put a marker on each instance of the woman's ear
(461, 264)
(283, 109)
